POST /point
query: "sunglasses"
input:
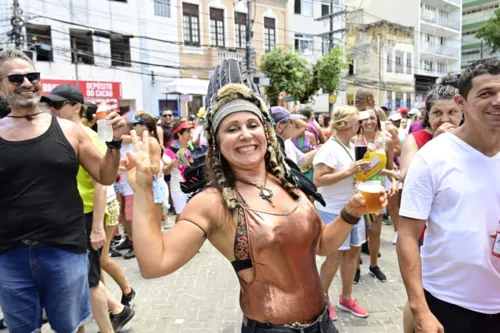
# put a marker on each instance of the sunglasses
(58, 105)
(18, 79)
(167, 115)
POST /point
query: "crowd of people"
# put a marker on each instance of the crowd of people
(64, 193)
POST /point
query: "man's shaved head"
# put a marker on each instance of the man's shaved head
(364, 99)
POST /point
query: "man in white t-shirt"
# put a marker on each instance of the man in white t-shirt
(290, 126)
(453, 183)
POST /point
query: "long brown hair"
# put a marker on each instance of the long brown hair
(150, 123)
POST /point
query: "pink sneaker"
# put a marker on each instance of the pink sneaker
(333, 314)
(353, 307)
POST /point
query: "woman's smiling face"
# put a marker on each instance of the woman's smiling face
(242, 140)
(370, 124)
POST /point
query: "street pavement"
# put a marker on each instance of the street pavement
(203, 296)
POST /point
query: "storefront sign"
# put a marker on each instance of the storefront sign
(89, 89)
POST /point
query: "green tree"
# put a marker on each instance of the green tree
(490, 31)
(288, 72)
(328, 71)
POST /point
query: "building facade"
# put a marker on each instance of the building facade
(475, 14)
(309, 34)
(438, 30)
(382, 56)
(214, 30)
(120, 51)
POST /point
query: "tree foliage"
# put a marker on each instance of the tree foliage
(490, 31)
(288, 72)
(328, 70)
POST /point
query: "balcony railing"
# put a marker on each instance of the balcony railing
(433, 18)
(455, 2)
(423, 71)
(441, 50)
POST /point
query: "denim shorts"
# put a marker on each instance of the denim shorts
(40, 276)
(356, 238)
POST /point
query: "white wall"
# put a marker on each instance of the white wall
(133, 18)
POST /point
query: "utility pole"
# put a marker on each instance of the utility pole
(331, 24)
(77, 83)
(482, 47)
(17, 22)
(249, 37)
(379, 69)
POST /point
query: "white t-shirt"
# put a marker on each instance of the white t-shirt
(110, 194)
(294, 154)
(457, 190)
(125, 188)
(332, 154)
(199, 134)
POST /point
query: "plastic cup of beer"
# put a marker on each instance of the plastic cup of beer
(370, 190)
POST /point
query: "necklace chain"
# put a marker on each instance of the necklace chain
(29, 117)
(265, 193)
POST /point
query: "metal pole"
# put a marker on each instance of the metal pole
(249, 39)
(482, 46)
(379, 70)
(76, 64)
(16, 25)
(331, 24)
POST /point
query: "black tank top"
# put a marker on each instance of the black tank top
(39, 198)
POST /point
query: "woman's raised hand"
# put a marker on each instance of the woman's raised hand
(141, 159)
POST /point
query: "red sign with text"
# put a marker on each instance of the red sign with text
(89, 89)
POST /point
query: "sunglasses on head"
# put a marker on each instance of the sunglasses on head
(18, 79)
(58, 105)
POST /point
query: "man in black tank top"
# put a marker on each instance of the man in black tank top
(109, 313)
(42, 226)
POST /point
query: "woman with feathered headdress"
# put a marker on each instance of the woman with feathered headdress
(252, 212)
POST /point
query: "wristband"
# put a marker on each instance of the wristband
(348, 217)
(114, 144)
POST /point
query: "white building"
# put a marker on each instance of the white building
(310, 38)
(114, 61)
(437, 25)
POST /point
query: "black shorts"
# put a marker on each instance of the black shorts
(456, 319)
(94, 256)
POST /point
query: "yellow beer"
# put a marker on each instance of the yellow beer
(370, 190)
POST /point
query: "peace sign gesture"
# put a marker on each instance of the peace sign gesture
(141, 159)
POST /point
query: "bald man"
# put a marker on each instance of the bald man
(364, 99)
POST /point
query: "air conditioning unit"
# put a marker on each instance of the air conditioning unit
(30, 54)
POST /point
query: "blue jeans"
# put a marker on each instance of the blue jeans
(40, 276)
(356, 238)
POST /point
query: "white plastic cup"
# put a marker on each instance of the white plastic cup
(370, 190)
(104, 130)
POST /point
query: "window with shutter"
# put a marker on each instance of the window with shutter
(216, 27)
(269, 34)
(241, 28)
(191, 24)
